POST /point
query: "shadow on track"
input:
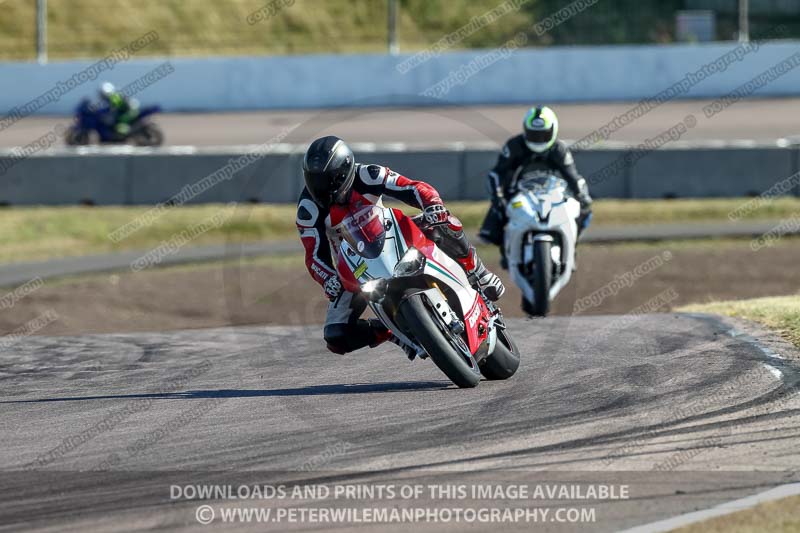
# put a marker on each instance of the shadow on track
(311, 390)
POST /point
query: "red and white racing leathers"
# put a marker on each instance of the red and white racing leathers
(344, 331)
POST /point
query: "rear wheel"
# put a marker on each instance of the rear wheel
(542, 278)
(439, 343)
(76, 137)
(504, 360)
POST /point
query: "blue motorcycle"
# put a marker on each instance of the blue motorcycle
(93, 124)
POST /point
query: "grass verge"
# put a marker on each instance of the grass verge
(37, 233)
(81, 28)
(780, 516)
(781, 313)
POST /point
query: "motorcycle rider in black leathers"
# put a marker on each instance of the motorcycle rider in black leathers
(537, 148)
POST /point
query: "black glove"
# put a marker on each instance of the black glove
(333, 288)
(583, 197)
(586, 203)
(499, 204)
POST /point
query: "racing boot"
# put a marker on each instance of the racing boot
(487, 282)
(411, 352)
(381, 333)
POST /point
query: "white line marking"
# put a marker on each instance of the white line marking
(777, 493)
(752, 340)
(775, 372)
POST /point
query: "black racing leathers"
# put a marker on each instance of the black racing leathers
(516, 158)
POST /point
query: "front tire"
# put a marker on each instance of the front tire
(148, 135)
(427, 331)
(504, 360)
(542, 278)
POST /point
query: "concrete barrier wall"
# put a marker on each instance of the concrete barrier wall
(141, 177)
(555, 74)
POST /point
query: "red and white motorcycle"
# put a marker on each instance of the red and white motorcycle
(423, 295)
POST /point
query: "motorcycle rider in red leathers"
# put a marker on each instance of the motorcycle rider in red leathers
(333, 177)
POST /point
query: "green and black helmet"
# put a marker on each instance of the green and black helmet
(541, 128)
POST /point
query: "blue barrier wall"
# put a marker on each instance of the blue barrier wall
(557, 74)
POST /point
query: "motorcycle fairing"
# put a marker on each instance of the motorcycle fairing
(442, 272)
(541, 210)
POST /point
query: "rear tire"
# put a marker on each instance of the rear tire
(504, 360)
(417, 318)
(76, 137)
(542, 278)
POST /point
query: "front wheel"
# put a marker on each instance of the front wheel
(148, 135)
(504, 360)
(438, 343)
(542, 279)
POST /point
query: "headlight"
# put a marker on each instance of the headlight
(375, 289)
(412, 263)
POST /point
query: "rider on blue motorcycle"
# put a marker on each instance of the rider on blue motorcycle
(537, 148)
(122, 112)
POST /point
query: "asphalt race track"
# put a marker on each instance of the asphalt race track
(682, 409)
(493, 124)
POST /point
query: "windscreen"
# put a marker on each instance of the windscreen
(540, 182)
(364, 232)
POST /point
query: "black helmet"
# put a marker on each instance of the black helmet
(329, 169)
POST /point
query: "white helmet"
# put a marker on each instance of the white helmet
(107, 89)
(541, 128)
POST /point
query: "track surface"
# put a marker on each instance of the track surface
(596, 398)
(776, 119)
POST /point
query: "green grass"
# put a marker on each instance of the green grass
(45, 232)
(780, 313)
(781, 516)
(91, 28)
(34, 233)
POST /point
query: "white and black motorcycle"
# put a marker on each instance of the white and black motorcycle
(540, 238)
(422, 295)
